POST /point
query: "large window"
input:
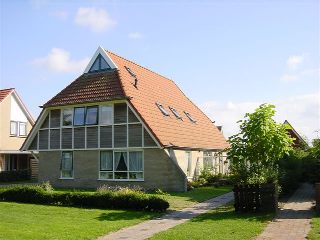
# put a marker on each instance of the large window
(106, 115)
(92, 115)
(124, 165)
(67, 165)
(67, 117)
(79, 113)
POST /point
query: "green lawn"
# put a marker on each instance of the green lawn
(29, 221)
(182, 200)
(221, 223)
(315, 231)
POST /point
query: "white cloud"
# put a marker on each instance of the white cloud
(289, 77)
(62, 15)
(135, 35)
(58, 60)
(294, 61)
(98, 20)
(303, 112)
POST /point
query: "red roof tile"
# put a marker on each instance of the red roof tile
(4, 93)
(87, 88)
(152, 88)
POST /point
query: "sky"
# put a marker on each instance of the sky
(228, 56)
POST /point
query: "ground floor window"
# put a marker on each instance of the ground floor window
(67, 165)
(207, 160)
(125, 165)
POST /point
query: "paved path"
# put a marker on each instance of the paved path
(293, 221)
(147, 229)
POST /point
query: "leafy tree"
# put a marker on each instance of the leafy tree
(255, 151)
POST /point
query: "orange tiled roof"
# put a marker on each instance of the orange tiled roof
(152, 88)
(4, 93)
(87, 88)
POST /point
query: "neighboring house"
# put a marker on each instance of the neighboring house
(298, 141)
(15, 124)
(120, 123)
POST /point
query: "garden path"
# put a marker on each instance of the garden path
(149, 228)
(293, 221)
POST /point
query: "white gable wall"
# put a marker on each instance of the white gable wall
(16, 113)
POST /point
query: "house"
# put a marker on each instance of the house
(15, 124)
(122, 124)
(298, 141)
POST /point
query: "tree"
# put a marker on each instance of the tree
(255, 151)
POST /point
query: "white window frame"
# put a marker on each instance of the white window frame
(25, 129)
(72, 171)
(62, 117)
(15, 133)
(128, 166)
(100, 115)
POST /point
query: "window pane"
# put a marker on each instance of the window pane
(95, 65)
(104, 64)
(22, 129)
(92, 115)
(66, 174)
(13, 128)
(135, 161)
(66, 163)
(106, 161)
(106, 175)
(79, 116)
(136, 175)
(121, 175)
(120, 161)
(67, 117)
(106, 115)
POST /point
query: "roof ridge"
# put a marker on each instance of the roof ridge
(139, 65)
(5, 89)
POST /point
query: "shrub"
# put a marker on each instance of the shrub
(10, 176)
(122, 199)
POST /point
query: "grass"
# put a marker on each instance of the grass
(221, 223)
(29, 221)
(314, 234)
(182, 200)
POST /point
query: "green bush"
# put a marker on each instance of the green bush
(123, 199)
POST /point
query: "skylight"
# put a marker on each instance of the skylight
(131, 72)
(162, 109)
(190, 117)
(175, 112)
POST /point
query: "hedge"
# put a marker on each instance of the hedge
(125, 199)
(19, 175)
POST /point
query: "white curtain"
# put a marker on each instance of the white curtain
(135, 161)
(118, 164)
(106, 161)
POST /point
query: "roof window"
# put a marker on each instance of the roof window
(131, 72)
(190, 117)
(175, 112)
(162, 109)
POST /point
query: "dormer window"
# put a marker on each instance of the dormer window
(175, 112)
(190, 117)
(100, 64)
(162, 109)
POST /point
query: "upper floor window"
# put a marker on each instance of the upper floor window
(78, 117)
(190, 117)
(106, 115)
(13, 128)
(175, 112)
(162, 109)
(67, 117)
(22, 129)
(92, 115)
(100, 64)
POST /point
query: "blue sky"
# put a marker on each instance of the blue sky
(227, 56)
